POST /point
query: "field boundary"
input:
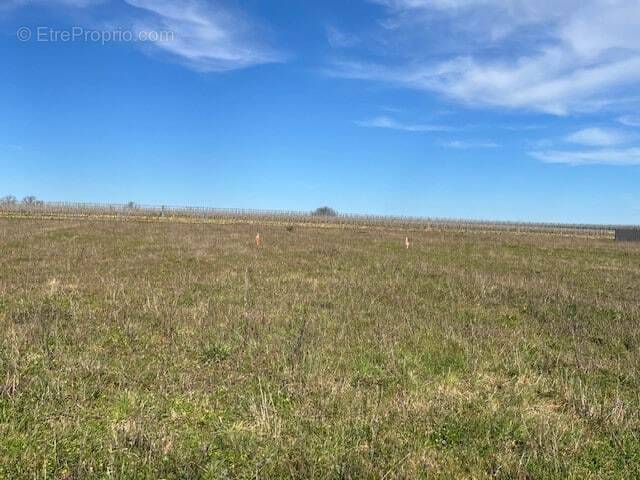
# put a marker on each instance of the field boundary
(154, 213)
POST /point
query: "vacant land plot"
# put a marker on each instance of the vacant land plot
(167, 350)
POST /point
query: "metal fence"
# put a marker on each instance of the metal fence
(134, 211)
(627, 234)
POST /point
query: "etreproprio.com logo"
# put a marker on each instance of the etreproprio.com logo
(80, 34)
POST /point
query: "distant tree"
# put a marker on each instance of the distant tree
(8, 200)
(32, 201)
(324, 212)
(131, 205)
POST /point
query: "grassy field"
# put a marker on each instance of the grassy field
(168, 350)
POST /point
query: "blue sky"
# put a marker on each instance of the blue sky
(484, 109)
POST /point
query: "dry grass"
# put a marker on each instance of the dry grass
(170, 350)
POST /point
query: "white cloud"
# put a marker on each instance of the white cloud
(387, 122)
(206, 37)
(630, 120)
(539, 83)
(617, 157)
(507, 15)
(599, 137)
(552, 56)
(340, 39)
(203, 35)
(464, 145)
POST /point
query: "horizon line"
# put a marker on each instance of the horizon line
(182, 209)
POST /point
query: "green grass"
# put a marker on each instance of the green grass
(169, 350)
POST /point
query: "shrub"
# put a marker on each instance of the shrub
(324, 212)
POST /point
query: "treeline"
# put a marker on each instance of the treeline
(29, 200)
(33, 201)
(31, 205)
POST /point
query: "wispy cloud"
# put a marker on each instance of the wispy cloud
(340, 39)
(608, 151)
(599, 137)
(531, 83)
(522, 128)
(630, 120)
(388, 122)
(551, 56)
(618, 157)
(465, 145)
(384, 121)
(206, 37)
